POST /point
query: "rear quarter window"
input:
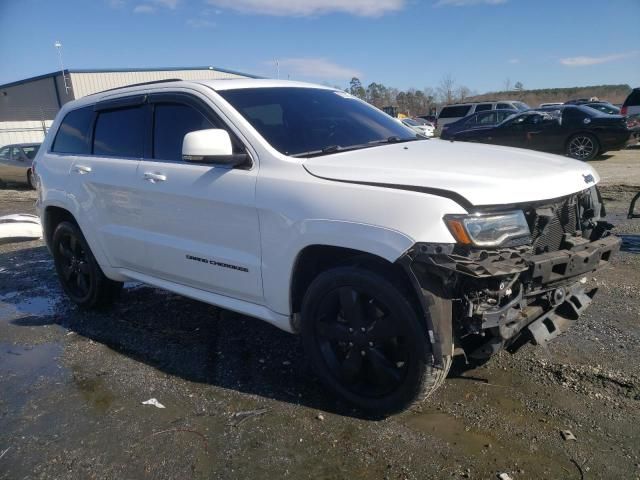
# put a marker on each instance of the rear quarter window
(73, 134)
(633, 100)
(455, 111)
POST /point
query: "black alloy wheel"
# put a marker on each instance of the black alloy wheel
(78, 271)
(361, 342)
(365, 340)
(582, 147)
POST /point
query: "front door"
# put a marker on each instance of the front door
(200, 221)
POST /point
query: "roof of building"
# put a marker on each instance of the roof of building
(119, 70)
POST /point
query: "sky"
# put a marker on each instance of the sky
(399, 43)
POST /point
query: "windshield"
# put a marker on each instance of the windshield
(299, 121)
(521, 106)
(410, 122)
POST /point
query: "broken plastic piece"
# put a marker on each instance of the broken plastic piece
(154, 402)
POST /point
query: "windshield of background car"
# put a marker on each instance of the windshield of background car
(521, 106)
(410, 122)
(297, 120)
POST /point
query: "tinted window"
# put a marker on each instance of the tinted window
(171, 123)
(483, 106)
(521, 106)
(305, 121)
(454, 111)
(31, 151)
(504, 105)
(633, 100)
(73, 134)
(489, 118)
(119, 133)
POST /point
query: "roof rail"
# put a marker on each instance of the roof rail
(138, 85)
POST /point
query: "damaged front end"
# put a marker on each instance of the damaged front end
(529, 290)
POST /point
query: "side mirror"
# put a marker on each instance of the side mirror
(212, 146)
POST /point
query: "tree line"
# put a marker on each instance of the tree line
(414, 102)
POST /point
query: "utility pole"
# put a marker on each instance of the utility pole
(58, 46)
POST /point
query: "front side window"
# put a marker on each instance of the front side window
(504, 105)
(172, 121)
(73, 134)
(313, 121)
(119, 133)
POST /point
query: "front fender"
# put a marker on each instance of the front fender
(280, 260)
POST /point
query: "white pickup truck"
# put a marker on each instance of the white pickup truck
(305, 207)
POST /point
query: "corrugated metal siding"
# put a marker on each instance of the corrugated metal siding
(87, 83)
(23, 132)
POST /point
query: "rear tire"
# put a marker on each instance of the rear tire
(365, 341)
(582, 146)
(30, 180)
(78, 271)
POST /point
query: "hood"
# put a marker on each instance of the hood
(481, 174)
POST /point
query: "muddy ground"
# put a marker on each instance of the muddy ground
(241, 402)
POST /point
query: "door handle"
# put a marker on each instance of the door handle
(154, 177)
(81, 169)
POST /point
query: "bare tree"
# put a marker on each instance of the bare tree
(462, 93)
(519, 86)
(446, 89)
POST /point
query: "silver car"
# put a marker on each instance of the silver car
(16, 161)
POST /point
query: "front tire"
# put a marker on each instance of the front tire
(78, 271)
(582, 146)
(365, 341)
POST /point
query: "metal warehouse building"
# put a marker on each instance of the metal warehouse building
(28, 107)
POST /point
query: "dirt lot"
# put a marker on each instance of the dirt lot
(241, 403)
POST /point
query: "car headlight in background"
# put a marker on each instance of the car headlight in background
(490, 230)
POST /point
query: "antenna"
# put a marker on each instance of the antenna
(58, 46)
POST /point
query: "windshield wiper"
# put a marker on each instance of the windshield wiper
(337, 148)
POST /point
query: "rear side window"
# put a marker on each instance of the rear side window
(172, 122)
(119, 133)
(73, 134)
(633, 100)
(31, 151)
(504, 105)
(455, 111)
(484, 106)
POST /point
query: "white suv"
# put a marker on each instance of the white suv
(306, 207)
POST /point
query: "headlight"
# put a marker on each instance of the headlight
(487, 230)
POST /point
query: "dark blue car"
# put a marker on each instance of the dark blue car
(486, 118)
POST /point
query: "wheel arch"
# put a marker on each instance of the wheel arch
(318, 258)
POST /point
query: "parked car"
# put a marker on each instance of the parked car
(550, 104)
(631, 105)
(423, 121)
(484, 119)
(604, 107)
(310, 209)
(15, 163)
(422, 129)
(454, 112)
(577, 131)
(433, 119)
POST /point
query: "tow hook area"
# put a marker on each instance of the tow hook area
(558, 320)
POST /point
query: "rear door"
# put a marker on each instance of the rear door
(102, 180)
(18, 165)
(5, 163)
(199, 221)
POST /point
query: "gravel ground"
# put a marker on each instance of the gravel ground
(241, 402)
